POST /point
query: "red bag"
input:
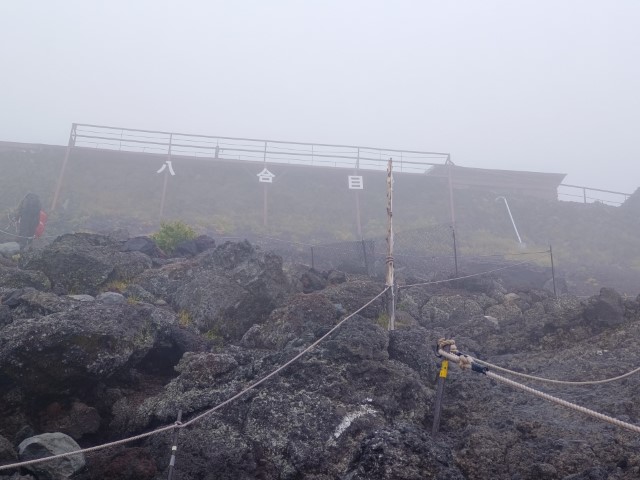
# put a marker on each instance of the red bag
(40, 227)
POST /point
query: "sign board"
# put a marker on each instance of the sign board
(356, 182)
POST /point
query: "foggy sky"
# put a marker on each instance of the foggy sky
(527, 85)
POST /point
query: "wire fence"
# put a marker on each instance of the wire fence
(433, 251)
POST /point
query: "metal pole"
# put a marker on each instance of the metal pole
(164, 192)
(174, 446)
(437, 414)
(553, 271)
(264, 206)
(358, 218)
(70, 144)
(390, 272)
(511, 217)
(265, 198)
(166, 179)
(584, 195)
(455, 248)
(312, 259)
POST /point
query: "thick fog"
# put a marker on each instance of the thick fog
(529, 85)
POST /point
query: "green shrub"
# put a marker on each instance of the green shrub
(171, 234)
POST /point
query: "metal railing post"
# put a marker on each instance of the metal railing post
(455, 248)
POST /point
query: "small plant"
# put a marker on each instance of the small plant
(383, 320)
(171, 234)
(214, 336)
(115, 286)
(184, 318)
(133, 300)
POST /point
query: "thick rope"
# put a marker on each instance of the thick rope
(559, 401)
(557, 382)
(600, 416)
(202, 415)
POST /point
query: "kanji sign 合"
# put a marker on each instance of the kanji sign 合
(265, 176)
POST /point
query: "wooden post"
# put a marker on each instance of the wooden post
(442, 376)
(391, 305)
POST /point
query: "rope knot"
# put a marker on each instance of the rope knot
(443, 342)
(466, 362)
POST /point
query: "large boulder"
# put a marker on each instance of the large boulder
(353, 295)
(71, 351)
(13, 277)
(48, 444)
(304, 318)
(84, 262)
(143, 245)
(444, 310)
(225, 290)
(9, 249)
(76, 420)
(606, 309)
(30, 303)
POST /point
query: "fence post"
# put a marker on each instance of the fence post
(312, 259)
(452, 209)
(437, 413)
(391, 307)
(364, 256)
(174, 446)
(553, 271)
(455, 248)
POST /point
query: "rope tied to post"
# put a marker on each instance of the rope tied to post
(465, 362)
(469, 361)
